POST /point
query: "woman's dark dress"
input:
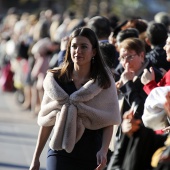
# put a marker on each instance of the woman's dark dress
(83, 156)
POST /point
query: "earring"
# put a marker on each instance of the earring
(92, 60)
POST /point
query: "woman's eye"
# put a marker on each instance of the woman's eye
(74, 46)
(84, 46)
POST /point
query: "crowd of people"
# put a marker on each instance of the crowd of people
(98, 86)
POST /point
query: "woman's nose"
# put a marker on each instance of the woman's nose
(164, 47)
(78, 49)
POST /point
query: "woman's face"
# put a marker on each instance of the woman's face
(130, 56)
(81, 51)
(167, 49)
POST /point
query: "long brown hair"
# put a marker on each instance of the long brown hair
(99, 70)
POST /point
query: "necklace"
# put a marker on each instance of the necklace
(80, 82)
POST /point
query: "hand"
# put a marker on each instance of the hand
(129, 124)
(64, 42)
(101, 159)
(167, 104)
(35, 165)
(128, 114)
(167, 109)
(127, 74)
(118, 84)
(166, 130)
(147, 76)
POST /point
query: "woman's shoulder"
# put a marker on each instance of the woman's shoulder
(54, 71)
(51, 75)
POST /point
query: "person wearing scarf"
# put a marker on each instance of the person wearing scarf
(80, 105)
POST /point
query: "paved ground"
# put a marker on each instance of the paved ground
(18, 134)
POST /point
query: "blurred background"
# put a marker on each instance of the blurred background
(24, 26)
(122, 8)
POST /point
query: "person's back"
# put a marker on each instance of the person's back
(127, 33)
(157, 55)
(109, 54)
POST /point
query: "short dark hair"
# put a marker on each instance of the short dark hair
(127, 33)
(100, 25)
(109, 53)
(157, 33)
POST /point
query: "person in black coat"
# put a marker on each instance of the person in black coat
(136, 147)
(129, 86)
(141, 148)
(157, 55)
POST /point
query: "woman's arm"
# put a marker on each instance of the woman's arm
(43, 136)
(102, 153)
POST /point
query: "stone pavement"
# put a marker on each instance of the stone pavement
(18, 134)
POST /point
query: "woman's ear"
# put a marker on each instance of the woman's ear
(94, 52)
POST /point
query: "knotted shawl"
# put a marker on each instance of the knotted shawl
(89, 107)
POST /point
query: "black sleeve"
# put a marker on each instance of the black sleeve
(117, 158)
(136, 152)
(133, 92)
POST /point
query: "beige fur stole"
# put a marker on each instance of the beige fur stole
(89, 107)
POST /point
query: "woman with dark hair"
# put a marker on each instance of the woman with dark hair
(80, 104)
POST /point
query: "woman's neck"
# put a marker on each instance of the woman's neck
(80, 77)
(81, 72)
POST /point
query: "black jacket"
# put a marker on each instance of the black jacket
(135, 153)
(133, 91)
(157, 57)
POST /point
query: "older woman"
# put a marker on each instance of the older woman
(132, 58)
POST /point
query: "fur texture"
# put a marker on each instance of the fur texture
(89, 107)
